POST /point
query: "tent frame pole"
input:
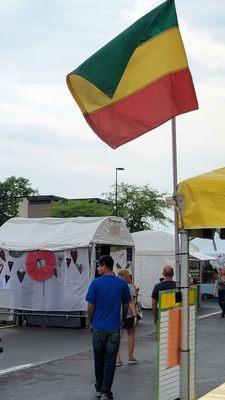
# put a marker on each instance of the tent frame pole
(176, 233)
(184, 349)
(92, 262)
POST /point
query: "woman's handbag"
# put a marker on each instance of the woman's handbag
(139, 311)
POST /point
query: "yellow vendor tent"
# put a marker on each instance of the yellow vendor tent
(201, 201)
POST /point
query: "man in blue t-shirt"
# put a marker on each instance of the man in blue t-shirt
(105, 296)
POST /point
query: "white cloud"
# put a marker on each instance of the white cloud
(202, 47)
(132, 12)
(47, 106)
(44, 135)
(10, 6)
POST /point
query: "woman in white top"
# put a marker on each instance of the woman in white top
(130, 321)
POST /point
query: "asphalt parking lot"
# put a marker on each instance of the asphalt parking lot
(57, 363)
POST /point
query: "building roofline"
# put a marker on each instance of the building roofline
(49, 198)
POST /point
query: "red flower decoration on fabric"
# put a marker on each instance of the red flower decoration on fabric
(40, 265)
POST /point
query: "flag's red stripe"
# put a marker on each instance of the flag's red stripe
(143, 111)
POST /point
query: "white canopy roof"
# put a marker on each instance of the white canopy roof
(161, 243)
(26, 234)
(207, 245)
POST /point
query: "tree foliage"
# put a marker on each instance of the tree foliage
(12, 191)
(78, 208)
(140, 206)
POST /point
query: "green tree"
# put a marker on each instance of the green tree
(140, 206)
(12, 191)
(78, 208)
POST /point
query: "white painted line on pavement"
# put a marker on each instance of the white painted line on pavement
(14, 369)
(209, 315)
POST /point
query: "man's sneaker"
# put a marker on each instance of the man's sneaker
(107, 396)
(98, 394)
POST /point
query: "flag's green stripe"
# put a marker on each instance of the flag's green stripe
(105, 68)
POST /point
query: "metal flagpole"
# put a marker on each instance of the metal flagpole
(174, 153)
(182, 275)
(184, 350)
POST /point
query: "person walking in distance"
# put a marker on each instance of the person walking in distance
(166, 284)
(105, 296)
(220, 285)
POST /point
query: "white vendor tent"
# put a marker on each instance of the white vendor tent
(46, 263)
(54, 234)
(154, 250)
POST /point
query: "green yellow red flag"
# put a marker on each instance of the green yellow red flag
(136, 82)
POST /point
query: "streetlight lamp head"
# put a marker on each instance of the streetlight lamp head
(119, 169)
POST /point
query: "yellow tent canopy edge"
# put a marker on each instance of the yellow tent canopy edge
(201, 201)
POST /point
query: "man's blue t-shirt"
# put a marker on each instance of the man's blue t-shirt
(107, 293)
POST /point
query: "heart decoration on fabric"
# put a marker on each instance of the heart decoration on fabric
(7, 277)
(79, 267)
(16, 254)
(2, 255)
(68, 261)
(1, 268)
(60, 260)
(21, 275)
(55, 272)
(73, 254)
(10, 264)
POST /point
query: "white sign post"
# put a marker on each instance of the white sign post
(170, 386)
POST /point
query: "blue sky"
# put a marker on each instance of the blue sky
(43, 134)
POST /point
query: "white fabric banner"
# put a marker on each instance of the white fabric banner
(64, 290)
(119, 255)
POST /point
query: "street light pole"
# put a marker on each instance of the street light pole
(117, 169)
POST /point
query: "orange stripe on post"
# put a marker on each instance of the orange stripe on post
(148, 108)
(173, 349)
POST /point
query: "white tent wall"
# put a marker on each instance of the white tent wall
(72, 243)
(64, 292)
(147, 271)
(154, 250)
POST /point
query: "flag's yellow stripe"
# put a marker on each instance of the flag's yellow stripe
(152, 60)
